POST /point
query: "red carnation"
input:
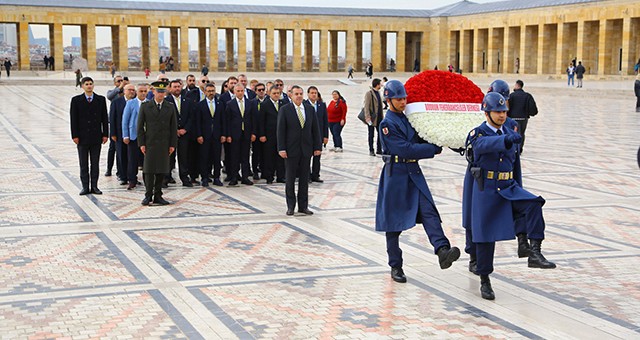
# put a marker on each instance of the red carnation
(442, 86)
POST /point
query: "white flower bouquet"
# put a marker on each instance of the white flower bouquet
(444, 124)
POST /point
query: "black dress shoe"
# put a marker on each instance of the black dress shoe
(161, 201)
(217, 182)
(306, 211)
(447, 256)
(84, 191)
(131, 187)
(107, 174)
(96, 191)
(317, 180)
(205, 184)
(485, 288)
(289, 212)
(246, 181)
(123, 182)
(146, 201)
(371, 153)
(269, 181)
(281, 180)
(397, 274)
(233, 183)
(256, 177)
(187, 184)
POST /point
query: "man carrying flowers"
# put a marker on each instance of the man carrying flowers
(404, 198)
(497, 199)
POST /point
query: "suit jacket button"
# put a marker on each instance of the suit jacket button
(498, 189)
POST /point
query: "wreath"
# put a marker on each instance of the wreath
(443, 107)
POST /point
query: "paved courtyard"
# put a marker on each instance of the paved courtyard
(228, 263)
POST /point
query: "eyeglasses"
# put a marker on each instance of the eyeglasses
(164, 79)
(260, 89)
(205, 82)
(119, 81)
(277, 85)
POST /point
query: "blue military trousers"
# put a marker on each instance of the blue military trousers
(432, 226)
(530, 211)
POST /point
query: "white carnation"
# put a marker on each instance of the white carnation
(446, 129)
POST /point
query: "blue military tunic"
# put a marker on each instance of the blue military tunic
(401, 182)
(489, 211)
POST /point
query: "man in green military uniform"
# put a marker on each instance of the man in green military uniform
(157, 139)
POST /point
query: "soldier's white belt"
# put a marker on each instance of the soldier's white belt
(501, 176)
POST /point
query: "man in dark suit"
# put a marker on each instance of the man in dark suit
(210, 133)
(157, 138)
(298, 140)
(187, 147)
(89, 129)
(320, 109)
(240, 114)
(116, 111)
(248, 92)
(283, 93)
(197, 93)
(257, 147)
(224, 99)
(267, 130)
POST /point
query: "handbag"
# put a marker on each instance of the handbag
(362, 117)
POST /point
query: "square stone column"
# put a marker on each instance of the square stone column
(562, 53)
(24, 57)
(401, 44)
(297, 50)
(542, 49)
(425, 53)
(351, 50)
(604, 54)
(506, 62)
(55, 40)
(257, 53)
(146, 46)
(184, 48)
(627, 56)
(230, 63)
(492, 51)
(213, 48)
(270, 47)
(88, 34)
(524, 56)
(308, 51)
(324, 50)
(376, 55)
(154, 50)
(175, 43)
(333, 51)
(242, 49)
(358, 66)
(475, 55)
(282, 50)
(384, 64)
(123, 47)
(580, 48)
(202, 47)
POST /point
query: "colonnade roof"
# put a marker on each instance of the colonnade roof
(457, 9)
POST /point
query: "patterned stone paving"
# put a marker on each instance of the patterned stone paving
(224, 263)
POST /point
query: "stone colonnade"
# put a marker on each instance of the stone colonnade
(604, 35)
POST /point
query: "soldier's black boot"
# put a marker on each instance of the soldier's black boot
(473, 264)
(447, 256)
(397, 274)
(536, 259)
(524, 249)
(485, 288)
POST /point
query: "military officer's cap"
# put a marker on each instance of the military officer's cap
(160, 86)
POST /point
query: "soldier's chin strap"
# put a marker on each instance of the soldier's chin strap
(393, 106)
(494, 123)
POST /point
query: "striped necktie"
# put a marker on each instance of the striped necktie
(300, 117)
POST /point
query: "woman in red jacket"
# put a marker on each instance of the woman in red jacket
(337, 115)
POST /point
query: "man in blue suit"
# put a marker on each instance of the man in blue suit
(210, 131)
(240, 115)
(130, 134)
(403, 195)
(320, 108)
(116, 111)
(497, 199)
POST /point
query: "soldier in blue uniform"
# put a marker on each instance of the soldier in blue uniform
(404, 198)
(501, 87)
(496, 199)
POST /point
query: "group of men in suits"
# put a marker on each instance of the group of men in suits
(238, 128)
